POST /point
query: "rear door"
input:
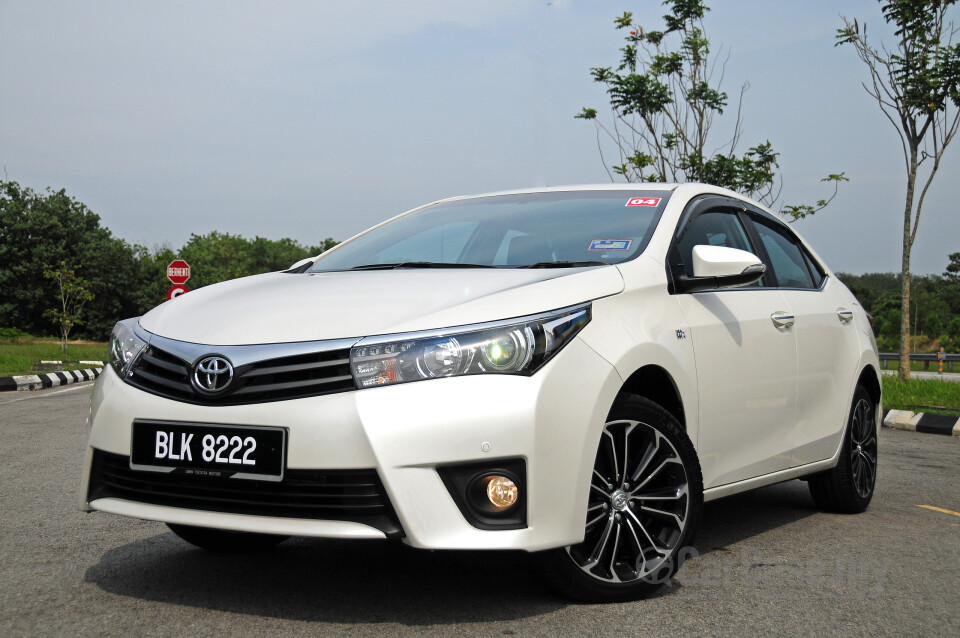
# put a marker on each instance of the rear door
(827, 343)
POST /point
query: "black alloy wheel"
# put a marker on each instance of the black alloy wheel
(863, 448)
(849, 487)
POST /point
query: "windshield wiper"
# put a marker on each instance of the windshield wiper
(565, 264)
(417, 264)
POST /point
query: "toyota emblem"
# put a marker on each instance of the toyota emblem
(212, 375)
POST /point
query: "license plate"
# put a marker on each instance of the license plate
(212, 450)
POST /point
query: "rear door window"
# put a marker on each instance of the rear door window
(790, 265)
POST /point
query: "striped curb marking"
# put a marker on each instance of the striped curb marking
(922, 422)
(48, 380)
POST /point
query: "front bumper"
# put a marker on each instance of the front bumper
(552, 420)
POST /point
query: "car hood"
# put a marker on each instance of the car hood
(286, 307)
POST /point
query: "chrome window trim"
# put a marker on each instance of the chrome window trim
(762, 288)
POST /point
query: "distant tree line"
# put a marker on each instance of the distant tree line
(934, 307)
(40, 230)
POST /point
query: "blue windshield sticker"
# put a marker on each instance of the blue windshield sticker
(610, 244)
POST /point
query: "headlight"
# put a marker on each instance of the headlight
(518, 346)
(125, 345)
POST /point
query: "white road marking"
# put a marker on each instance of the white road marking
(77, 386)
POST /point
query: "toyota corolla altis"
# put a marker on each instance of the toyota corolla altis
(567, 371)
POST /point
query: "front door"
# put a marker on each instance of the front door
(746, 359)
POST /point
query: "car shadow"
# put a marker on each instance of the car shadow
(325, 580)
(735, 519)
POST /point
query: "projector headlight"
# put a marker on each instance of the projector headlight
(125, 345)
(519, 346)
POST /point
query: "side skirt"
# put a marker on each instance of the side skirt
(769, 479)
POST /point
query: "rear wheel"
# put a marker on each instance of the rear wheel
(225, 541)
(848, 487)
(644, 507)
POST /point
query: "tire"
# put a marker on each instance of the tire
(848, 487)
(225, 541)
(639, 521)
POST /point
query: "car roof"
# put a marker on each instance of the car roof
(694, 188)
(639, 187)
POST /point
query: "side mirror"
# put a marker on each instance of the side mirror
(721, 267)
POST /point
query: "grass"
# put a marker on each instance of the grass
(21, 356)
(921, 395)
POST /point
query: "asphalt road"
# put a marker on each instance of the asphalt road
(768, 564)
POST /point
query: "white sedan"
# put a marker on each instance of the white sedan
(599, 362)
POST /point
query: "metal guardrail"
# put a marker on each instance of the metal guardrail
(926, 357)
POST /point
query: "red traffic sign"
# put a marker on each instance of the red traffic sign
(178, 271)
(176, 291)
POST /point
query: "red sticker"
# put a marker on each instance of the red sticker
(643, 201)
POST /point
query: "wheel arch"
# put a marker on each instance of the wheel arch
(870, 380)
(656, 384)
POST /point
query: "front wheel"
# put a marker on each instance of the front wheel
(224, 541)
(644, 507)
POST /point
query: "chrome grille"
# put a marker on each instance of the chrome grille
(294, 376)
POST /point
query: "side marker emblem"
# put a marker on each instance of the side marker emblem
(681, 334)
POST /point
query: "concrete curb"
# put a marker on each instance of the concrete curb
(922, 422)
(48, 379)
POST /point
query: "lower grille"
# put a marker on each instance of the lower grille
(337, 495)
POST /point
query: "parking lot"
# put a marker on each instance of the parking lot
(764, 563)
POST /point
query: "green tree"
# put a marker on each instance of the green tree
(664, 97)
(916, 84)
(952, 273)
(934, 304)
(217, 256)
(949, 291)
(37, 229)
(152, 282)
(950, 339)
(74, 294)
(888, 330)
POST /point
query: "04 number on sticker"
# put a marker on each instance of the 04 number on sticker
(643, 201)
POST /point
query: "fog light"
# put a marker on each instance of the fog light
(488, 493)
(502, 492)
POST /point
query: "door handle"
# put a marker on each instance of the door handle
(846, 316)
(782, 319)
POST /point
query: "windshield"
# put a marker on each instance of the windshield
(577, 228)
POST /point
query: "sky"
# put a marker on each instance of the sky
(319, 119)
